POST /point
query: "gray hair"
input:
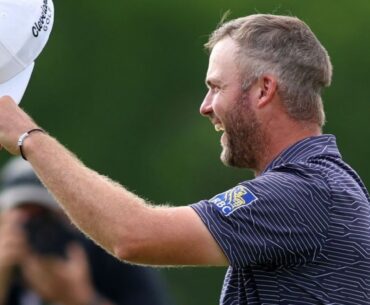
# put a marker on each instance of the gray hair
(285, 47)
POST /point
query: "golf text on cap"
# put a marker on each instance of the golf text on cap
(44, 21)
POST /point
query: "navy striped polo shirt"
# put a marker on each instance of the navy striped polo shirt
(297, 234)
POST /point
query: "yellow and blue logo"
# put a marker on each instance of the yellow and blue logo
(231, 200)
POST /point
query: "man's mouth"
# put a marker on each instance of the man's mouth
(219, 127)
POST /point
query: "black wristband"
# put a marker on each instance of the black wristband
(23, 137)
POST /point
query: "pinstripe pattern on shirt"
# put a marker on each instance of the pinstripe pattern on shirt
(305, 239)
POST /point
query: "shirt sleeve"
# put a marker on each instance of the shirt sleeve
(280, 218)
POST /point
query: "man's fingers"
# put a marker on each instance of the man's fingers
(76, 252)
(13, 218)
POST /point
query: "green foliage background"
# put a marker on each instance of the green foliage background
(120, 84)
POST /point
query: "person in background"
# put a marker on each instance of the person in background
(43, 259)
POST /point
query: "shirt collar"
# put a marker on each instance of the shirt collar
(323, 145)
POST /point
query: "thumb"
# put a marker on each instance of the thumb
(77, 256)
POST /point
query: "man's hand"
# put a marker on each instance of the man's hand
(13, 244)
(58, 280)
(13, 247)
(13, 122)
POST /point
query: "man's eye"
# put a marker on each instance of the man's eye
(215, 89)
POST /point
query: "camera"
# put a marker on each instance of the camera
(48, 235)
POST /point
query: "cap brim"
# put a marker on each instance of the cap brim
(26, 194)
(16, 86)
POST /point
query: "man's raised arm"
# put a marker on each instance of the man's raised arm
(121, 222)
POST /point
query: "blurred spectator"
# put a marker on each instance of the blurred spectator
(43, 259)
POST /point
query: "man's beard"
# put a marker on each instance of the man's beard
(245, 140)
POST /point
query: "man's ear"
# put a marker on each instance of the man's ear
(267, 86)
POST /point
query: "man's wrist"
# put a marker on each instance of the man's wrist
(97, 299)
(5, 280)
(30, 142)
(94, 299)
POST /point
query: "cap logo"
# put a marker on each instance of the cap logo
(43, 23)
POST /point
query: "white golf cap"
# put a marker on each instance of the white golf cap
(25, 26)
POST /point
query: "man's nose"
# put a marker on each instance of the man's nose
(206, 106)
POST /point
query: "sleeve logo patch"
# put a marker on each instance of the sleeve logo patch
(229, 201)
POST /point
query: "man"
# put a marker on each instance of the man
(44, 260)
(299, 233)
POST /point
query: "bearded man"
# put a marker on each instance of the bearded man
(298, 233)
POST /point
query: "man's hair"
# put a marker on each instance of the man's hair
(285, 47)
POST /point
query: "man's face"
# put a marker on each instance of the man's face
(231, 109)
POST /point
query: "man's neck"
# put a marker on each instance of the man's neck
(279, 139)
